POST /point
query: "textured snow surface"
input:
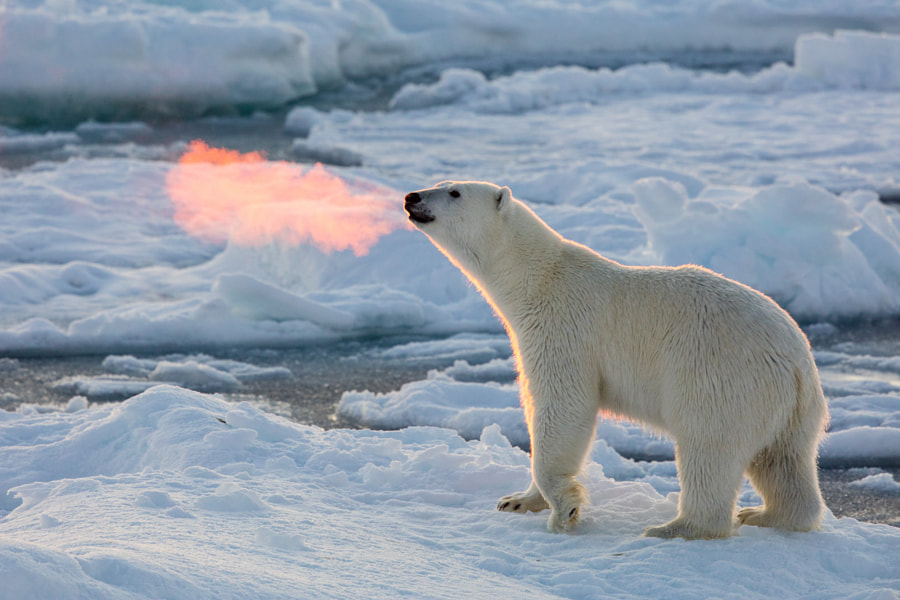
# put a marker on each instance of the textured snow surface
(258, 506)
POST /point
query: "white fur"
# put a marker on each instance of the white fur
(715, 364)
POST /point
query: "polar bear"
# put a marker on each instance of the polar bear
(715, 364)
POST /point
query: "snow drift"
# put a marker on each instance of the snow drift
(215, 500)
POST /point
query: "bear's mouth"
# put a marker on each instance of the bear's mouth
(418, 213)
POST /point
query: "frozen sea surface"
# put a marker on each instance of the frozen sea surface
(165, 235)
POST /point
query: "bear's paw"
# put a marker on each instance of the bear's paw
(690, 531)
(522, 502)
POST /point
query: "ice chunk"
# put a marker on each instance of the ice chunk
(146, 61)
(851, 59)
(254, 299)
(194, 376)
(881, 482)
(113, 133)
(798, 243)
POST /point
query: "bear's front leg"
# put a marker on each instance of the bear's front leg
(565, 509)
(560, 443)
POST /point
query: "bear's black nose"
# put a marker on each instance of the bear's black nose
(413, 198)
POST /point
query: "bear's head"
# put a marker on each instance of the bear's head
(462, 218)
(450, 198)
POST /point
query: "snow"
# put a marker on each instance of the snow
(849, 60)
(101, 263)
(127, 376)
(812, 243)
(882, 482)
(107, 58)
(256, 299)
(111, 133)
(259, 506)
(748, 174)
(160, 60)
(757, 138)
(40, 142)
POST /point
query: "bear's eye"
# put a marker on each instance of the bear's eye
(454, 194)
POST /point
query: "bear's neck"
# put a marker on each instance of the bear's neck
(514, 276)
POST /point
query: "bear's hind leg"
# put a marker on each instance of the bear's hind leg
(789, 485)
(709, 488)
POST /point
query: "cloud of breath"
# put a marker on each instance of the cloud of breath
(223, 195)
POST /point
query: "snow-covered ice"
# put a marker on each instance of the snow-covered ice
(260, 507)
(758, 138)
(880, 481)
(802, 223)
(816, 266)
(864, 429)
(127, 376)
(105, 59)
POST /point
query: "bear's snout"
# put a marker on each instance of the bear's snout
(418, 212)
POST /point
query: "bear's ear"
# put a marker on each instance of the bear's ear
(503, 197)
